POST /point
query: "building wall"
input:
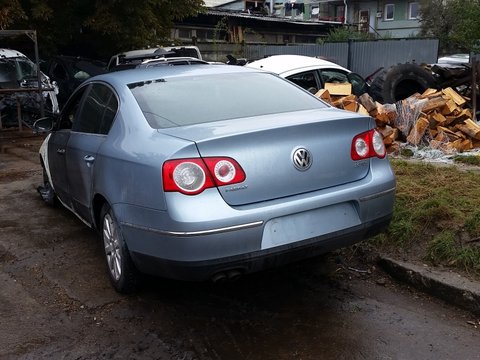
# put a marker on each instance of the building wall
(400, 27)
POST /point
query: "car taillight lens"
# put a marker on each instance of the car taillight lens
(192, 176)
(368, 144)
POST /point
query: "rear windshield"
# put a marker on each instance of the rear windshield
(184, 101)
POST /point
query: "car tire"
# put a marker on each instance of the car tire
(121, 270)
(399, 82)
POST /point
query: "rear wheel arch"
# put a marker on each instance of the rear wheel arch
(97, 204)
(120, 267)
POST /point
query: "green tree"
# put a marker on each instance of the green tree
(454, 22)
(100, 27)
(10, 12)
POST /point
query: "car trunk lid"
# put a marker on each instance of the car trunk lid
(283, 154)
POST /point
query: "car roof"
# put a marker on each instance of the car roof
(126, 77)
(280, 64)
(8, 53)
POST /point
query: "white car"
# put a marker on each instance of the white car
(18, 72)
(310, 73)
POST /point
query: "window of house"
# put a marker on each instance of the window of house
(389, 12)
(184, 33)
(413, 10)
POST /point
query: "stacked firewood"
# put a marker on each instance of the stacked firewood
(440, 119)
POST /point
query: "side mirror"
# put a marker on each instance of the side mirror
(43, 125)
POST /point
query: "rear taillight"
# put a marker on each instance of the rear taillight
(192, 176)
(368, 144)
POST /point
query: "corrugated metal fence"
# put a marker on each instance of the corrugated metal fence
(362, 57)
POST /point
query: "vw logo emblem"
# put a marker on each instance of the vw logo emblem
(302, 159)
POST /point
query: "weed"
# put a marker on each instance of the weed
(472, 224)
(434, 204)
(442, 248)
(467, 159)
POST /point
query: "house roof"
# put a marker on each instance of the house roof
(261, 17)
(215, 3)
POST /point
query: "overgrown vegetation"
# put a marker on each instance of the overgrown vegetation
(101, 26)
(467, 159)
(341, 34)
(454, 22)
(436, 216)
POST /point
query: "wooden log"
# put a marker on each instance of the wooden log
(361, 110)
(434, 103)
(386, 113)
(470, 128)
(350, 105)
(449, 107)
(338, 101)
(367, 101)
(438, 118)
(385, 131)
(388, 140)
(467, 144)
(452, 94)
(418, 130)
(324, 94)
(452, 136)
(455, 145)
(430, 93)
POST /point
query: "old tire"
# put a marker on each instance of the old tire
(121, 270)
(399, 82)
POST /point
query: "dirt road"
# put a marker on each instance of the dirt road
(56, 301)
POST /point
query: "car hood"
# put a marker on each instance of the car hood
(265, 146)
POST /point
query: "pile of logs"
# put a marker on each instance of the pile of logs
(439, 119)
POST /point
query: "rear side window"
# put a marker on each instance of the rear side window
(192, 100)
(97, 112)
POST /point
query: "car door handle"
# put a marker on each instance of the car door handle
(60, 151)
(89, 159)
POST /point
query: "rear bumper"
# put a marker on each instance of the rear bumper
(257, 260)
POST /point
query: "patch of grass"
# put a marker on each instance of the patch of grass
(469, 258)
(406, 152)
(442, 248)
(436, 214)
(467, 159)
(472, 224)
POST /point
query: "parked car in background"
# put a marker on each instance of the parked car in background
(189, 174)
(17, 71)
(310, 73)
(173, 61)
(135, 57)
(70, 71)
(454, 59)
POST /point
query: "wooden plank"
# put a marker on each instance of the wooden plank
(342, 89)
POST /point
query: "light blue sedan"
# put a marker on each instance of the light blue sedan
(210, 172)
